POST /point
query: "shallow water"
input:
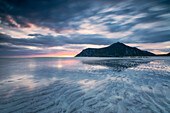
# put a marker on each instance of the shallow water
(87, 85)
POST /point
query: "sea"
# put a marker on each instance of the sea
(85, 85)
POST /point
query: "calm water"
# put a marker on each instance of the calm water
(87, 85)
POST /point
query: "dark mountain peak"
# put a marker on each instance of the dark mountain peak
(120, 46)
(118, 43)
(114, 50)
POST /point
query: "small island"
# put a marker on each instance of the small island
(115, 50)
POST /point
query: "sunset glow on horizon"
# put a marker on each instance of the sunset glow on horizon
(61, 54)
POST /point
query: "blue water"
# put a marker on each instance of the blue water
(87, 85)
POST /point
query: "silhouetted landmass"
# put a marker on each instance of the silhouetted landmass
(115, 50)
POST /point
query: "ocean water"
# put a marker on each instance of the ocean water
(85, 85)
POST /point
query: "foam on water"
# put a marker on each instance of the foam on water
(87, 85)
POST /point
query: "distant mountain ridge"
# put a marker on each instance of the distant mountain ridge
(168, 54)
(115, 50)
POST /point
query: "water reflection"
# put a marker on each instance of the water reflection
(84, 85)
(33, 72)
(116, 65)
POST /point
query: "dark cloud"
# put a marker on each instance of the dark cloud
(7, 47)
(54, 14)
(57, 14)
(39, 41)
(12, 51)
(116, 27)
(148, 36)
(154, 37)
(35, 35)
(63, 15)
(12, 46)
(50, 41)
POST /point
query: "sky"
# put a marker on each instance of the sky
(62, 28)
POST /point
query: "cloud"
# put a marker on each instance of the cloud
(42, 44)
(44, 24)
(50, 41)
(57, 14)
(157, 48)
(35, 35)
(148, 36)
(9, 50)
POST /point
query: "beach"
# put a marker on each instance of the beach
(85, 85)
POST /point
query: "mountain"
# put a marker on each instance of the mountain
(115, 50)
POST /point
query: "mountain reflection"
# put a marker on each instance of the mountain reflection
(117, 65)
